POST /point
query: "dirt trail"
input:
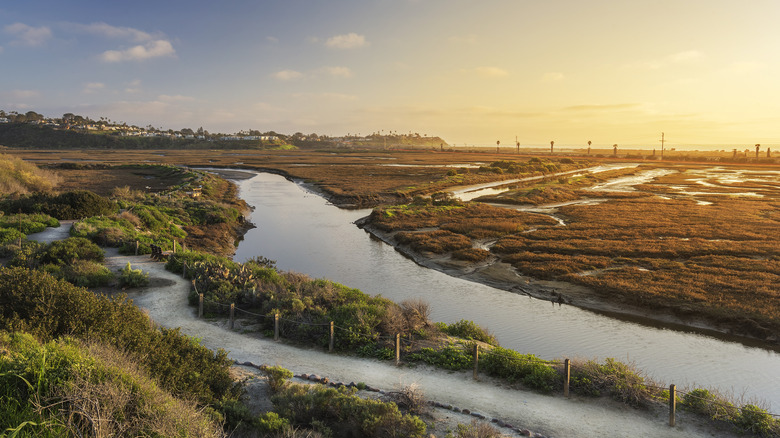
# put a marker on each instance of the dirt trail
(548, 415)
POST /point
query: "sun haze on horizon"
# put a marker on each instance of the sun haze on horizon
(613, 72)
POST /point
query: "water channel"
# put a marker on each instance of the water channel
(304, 233)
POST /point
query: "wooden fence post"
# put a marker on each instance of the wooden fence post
(184, 269)
(200, 305)
(332, 339)
(672, 403)
(136, 247)
(566, 376)
(397, 349)
(174, 247)
(276, 327)
(476, 360)
(232, 314)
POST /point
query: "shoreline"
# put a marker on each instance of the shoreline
(503, 276)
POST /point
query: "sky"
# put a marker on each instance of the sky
(470, 71)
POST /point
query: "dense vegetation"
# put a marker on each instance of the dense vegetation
(18, 176)
(52, 310)
(718, 259)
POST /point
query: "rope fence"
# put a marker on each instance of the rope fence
(398, 342)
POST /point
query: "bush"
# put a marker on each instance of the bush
(755, 420)
(86, 274)
(342, 413)
(705, 402)
(452, 357)
(469, 330)
(48, 308)
(69, 205)
(515, 367)
(79, 380)
(277, 377)
(129, 277)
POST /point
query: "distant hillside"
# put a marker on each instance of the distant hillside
(24, 135)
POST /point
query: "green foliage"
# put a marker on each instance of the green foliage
(48, 308)
(84, 273)
(451, 356)
(622, 381)
(277, 377)
(71, 249)
(755, 420)
(10, 235)
(69, 205)
(30, 223)
(469, 330)
(516, 367)
(270, 423)
(703, 401)
(343, 413)
(376, 351)
(71, 380)
(129, 277)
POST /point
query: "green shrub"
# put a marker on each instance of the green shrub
(48, 308)
(87, 273)
(469, 330)
(71, 249)
(277, 377)
(755, 420)
(451, 357)
(87, 380)
(705, 402)
(10, 235)
(129, 277)
(69, 205)
(343, 413)
(515, 367)
(270, 424)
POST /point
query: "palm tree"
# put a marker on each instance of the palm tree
(614, 147)
(551, 147)
(497, 143)
(588, 147)
(758, 146)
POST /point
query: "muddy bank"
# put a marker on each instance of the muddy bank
(500, 275)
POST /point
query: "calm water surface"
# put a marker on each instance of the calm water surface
(304, 233)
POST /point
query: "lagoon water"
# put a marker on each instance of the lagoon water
(304, 233)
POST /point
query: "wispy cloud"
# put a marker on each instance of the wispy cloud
(23, 94)
(175, 98)
(93, 87)
(133, 86)
(326, 96)
(602, 107)
(152, 49)
(287, 75)
(146, 45)
(27, 35)
(339, 72)
(346, 41)
(491, 72)
(109, 31)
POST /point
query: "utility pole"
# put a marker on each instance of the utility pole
(662, 145)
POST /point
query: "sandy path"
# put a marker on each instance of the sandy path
(548, 415)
